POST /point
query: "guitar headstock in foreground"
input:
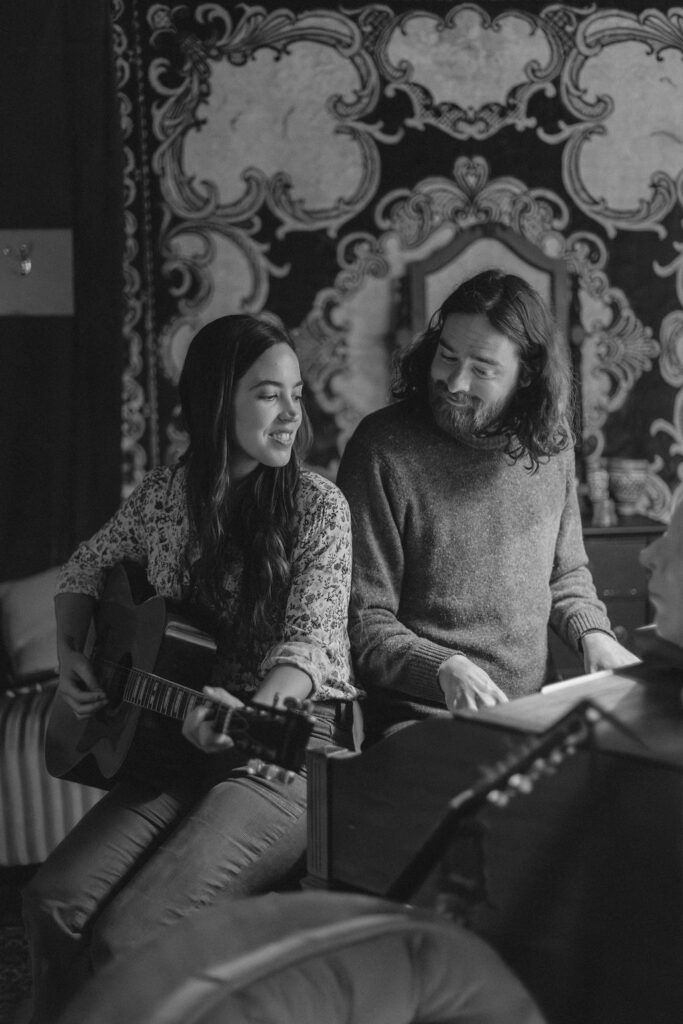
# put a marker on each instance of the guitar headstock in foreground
(276, 735)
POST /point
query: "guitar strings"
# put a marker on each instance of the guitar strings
(147, 690)
(144, 689)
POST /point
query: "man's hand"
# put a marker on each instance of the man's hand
(466, 685)
(198, 728)
(601, 651)
(78, 685)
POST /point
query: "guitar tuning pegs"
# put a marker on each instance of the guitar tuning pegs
(264, 770)
(520, 783)
(540, 767)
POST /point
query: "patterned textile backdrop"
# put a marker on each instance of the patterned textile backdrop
(297, 159)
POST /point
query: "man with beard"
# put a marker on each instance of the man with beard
(467, 535)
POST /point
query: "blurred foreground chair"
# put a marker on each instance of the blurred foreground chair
(307, 958)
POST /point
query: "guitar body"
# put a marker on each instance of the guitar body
(151, 637)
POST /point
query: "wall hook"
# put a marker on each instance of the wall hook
(22, 255)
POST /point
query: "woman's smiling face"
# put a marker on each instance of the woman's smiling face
(267, 411)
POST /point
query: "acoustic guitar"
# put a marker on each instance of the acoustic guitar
(152, 660)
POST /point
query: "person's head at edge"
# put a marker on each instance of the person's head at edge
(491, 362)
(663, 561)
(241, 399)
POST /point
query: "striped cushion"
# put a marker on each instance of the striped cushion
(36, 810)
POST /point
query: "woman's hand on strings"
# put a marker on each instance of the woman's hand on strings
(200, 728)
(78, 684)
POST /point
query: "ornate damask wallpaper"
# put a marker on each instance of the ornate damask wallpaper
(296, 159)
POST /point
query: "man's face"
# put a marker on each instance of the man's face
(663, 561)
(473, 376)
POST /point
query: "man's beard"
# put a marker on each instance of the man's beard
(469, 417)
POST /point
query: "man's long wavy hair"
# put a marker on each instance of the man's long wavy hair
(254, 518)
(537, 421)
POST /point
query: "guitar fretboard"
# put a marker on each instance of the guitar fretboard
(155, 694)
(152, 693)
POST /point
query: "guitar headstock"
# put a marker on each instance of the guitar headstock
(276, 736)
(265, 770)
(515, 774)
(530, 761)
(522, 779)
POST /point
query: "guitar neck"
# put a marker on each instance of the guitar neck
(172, 700)
(175, 652)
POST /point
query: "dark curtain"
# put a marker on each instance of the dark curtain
(60, 379)
(96, 159)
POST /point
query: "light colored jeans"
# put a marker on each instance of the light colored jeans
(144, 858)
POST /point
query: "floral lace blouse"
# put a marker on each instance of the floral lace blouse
(151, 529)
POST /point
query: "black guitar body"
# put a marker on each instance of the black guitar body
(153, 661)
(155, 638)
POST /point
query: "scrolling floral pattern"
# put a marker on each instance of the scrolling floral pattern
(296, 161)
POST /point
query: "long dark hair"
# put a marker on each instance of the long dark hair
(252, 519)
(537, 421)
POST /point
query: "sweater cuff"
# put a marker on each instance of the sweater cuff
(307, 657)
(584, 622)
(424, 662)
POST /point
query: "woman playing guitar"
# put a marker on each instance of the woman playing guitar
(262, 546)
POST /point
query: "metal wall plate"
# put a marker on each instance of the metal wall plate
(36, 272)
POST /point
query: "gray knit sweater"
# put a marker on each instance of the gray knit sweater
(456, 548)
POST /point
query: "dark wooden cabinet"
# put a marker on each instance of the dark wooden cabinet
(613, 559)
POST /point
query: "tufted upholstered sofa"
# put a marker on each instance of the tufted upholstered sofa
(36, 810)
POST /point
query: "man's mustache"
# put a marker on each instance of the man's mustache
(443, 391)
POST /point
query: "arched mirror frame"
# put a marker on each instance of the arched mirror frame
(481, 247)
